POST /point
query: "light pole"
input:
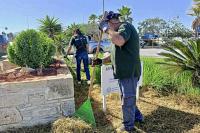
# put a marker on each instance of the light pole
(103, 6)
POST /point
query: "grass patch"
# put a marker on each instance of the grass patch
(69, 125)
(166, 80)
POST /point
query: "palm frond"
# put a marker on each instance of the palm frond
(172, 50)
(172, 57)
(184, 49)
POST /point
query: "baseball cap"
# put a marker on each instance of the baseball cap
(110, 15)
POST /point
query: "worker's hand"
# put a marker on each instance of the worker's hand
(65, 56)
(97, 61)
(103, 26)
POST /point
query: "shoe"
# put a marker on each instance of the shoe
(123, 130)
(79, 82)
(88, 82)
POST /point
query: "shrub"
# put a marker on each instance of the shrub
(184, 57)
(31, 49)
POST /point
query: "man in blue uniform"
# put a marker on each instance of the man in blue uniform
(79, 41)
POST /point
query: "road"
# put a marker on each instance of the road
(151, 52)
(148, 52)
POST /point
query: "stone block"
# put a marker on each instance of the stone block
(25, 87)
(59, 89)
(36, 99)
(68, 107)
(42, 111)
(14, 100)
(9, 116)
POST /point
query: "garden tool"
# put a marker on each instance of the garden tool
(85, 112)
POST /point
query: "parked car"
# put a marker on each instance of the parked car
(3, 40)
(148, 39)
(104, 46)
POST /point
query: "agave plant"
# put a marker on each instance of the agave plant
(184, 56)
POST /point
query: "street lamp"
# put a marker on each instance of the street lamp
(103, 6)
(6, 28)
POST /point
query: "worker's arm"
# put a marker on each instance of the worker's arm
(71, 42)
(69, 49)
(116, 38)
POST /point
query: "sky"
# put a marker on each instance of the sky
(19, 15)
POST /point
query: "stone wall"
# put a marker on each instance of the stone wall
(36, 101)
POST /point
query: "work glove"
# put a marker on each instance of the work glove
(97, 61)
(103, 26)
(65, 56)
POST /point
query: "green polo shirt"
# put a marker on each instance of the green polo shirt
(126, 59)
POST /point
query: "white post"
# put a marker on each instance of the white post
(104, 103)
(137, 91)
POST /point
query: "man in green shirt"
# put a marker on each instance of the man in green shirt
(126, 64)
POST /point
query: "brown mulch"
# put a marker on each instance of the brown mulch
(17, 75)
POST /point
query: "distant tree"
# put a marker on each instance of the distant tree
(125, 12)
(176, 29)
(100, 17)
(152, 25)
(92, 19)
(90, 29)
(50, 26)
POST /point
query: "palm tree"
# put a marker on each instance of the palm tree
(184, 56)
(92, 18)
(197, 2)
(50, 26)
(69, 31)
(195, 11)
(125, 12)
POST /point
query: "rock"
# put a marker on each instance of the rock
(26, 70)
(9, 116)
(11, 76)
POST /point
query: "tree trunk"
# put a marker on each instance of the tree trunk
(39, 71)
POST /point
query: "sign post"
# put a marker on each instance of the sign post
(110, 85)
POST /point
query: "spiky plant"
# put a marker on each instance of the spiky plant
(50, 26)
(184, 56)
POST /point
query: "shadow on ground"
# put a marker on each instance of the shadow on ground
(168, 120)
